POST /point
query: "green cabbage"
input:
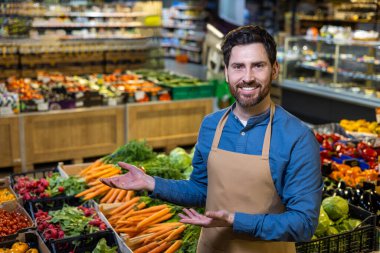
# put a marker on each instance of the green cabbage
(332, 231)
(336, 207)
(323, 224)
(180, 158)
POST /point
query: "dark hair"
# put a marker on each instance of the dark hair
(247, 35)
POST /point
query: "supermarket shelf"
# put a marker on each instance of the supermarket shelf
(325, 70)
(89, 25)
(202, 17)
(104, 37)
(182, 27)
(191, 38)
(189, 7)
(82, 14)
(355, 75)
(335, 94)
(188, 48)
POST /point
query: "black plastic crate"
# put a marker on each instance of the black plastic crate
(37, 174)
(53, 204)
(82, 243)
(31, 238)
(361, 239)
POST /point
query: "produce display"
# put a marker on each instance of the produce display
(145, 225)
(6, 195)
(19, 247)
(53, 184)
(360, 126)
(12, 221)
(68, 221)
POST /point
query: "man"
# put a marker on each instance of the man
(256, 167)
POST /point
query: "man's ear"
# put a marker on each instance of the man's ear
(275, 70)
(225, 73)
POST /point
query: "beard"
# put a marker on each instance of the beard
(245, 100)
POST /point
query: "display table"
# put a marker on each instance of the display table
(54, 136)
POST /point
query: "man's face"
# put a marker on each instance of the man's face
(249, 74)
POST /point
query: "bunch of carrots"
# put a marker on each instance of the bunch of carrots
(143, 228)
(97, 170)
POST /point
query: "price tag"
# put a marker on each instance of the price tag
(6, 110)
(377, 109)
(139, 95)
(377, 143)
(112, 101)
(351, 162)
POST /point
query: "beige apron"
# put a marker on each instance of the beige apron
(240, 183)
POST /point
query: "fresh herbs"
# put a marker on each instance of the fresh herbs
(133, 151)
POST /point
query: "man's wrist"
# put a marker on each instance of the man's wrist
(151, 183)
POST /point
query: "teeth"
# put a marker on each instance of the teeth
(248, 88)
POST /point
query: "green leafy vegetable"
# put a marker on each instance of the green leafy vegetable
(133, 151)
(69, 186)
(102, 247)
(336, 207)
(323, 224)
(162, 167)
(180, 158)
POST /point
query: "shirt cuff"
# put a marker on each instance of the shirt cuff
(245, 223)
(159, 188)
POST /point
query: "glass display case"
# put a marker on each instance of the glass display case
(343, 69)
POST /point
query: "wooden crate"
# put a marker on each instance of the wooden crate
(10, 142)
(167, 124)
(73, 134)
(72, 169)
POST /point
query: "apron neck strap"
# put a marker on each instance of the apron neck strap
(267, 137)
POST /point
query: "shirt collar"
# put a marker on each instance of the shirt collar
(254, 120)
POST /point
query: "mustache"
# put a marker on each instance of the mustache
(248, 84)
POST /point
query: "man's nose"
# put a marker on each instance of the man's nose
(248, 76)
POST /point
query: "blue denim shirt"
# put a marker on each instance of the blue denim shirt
(295, 169)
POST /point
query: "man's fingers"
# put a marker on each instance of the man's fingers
(128, 166)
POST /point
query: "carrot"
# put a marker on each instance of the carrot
(94, 164)
(154, 228)
(148, 210)
(153, 217)
(174, 247)
(113, 196)
(157, 234)
(146, 248)
(92, 189)
(107, 170)
(126, 230)
(121, 195)
(95, 169)
(111, 173)
(125, 205)
(163, 218)
(133, 208)
(175, 233)
(129, 195)
(96, 193)
(163, 246)
(107, 196)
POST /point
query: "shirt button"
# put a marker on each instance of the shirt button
(242, 133)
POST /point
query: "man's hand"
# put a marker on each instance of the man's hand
(219, 218)
(135, 179)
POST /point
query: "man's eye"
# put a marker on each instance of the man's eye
(238, 67)
(259, 66)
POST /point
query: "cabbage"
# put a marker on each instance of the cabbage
(336, 207)
(180, 158)
(323, 223)
(348, 225)
(332, 231)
